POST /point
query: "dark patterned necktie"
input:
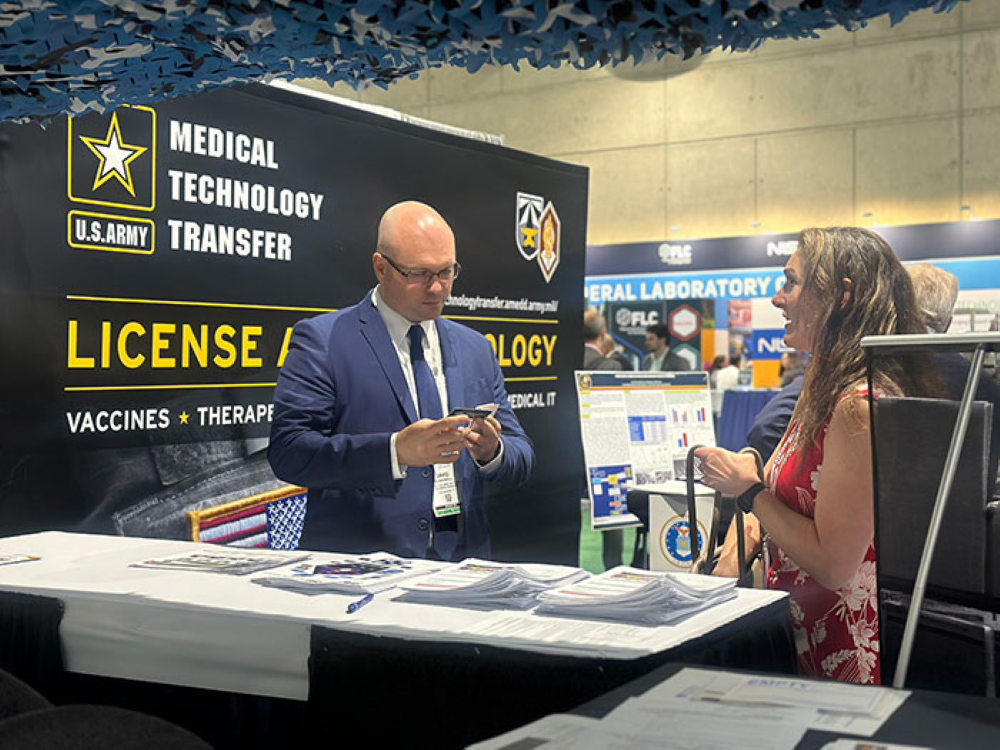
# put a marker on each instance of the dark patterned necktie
(427, 391)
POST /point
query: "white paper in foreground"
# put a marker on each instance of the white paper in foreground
(835, 707)
(683, 723)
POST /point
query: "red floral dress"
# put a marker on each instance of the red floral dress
(836, 632)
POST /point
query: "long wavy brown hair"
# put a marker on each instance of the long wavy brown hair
(881, 302)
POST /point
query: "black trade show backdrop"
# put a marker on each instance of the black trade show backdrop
(154, 259)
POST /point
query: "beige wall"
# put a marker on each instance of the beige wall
(881, 126)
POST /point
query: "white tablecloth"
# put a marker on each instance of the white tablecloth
(225, 632)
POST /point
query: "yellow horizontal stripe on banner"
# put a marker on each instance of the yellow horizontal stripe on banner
(503, 320)
(183, 386)
(186, 303)
(689, 388)
(524, 380)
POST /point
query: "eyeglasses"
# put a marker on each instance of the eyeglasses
(426, 278)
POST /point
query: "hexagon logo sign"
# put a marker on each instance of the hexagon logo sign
(684, 323)
(689, 354)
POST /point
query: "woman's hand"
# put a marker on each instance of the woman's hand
(727, 472)
(729, 565)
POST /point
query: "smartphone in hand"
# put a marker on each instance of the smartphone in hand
(471, 413)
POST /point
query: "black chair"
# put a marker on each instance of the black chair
(95, 728)
(17, 697)
(911, 437)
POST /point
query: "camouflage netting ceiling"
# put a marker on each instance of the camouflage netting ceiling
(70, 56)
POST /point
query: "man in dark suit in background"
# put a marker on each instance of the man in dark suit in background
(594, 330)
(936, 291)
(770, 423)
(659, 356)
(360, 403)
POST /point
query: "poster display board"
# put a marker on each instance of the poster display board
(154, 259)
(636, 429)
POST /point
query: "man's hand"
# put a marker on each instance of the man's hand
(484, 439)
(429, 442)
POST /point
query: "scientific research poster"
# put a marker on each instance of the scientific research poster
(637, 428)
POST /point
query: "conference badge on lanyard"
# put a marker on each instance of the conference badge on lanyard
(446, 498)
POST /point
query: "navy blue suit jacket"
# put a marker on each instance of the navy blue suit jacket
(771, 422)
(340, 395)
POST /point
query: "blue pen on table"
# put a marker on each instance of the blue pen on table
(355, 606)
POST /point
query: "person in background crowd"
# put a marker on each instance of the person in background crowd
(815, 497)
(726, 378)
(937, 293)
(659, 356)
(594, 329)
(611, 351)
(717, 364)
(594, 358)
(791, 366)
(360, 405)
(729, 376)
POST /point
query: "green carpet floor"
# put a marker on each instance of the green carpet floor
(590, 544)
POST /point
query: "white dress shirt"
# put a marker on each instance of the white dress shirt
(399, 330)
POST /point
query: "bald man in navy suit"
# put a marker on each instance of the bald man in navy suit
(360, 405)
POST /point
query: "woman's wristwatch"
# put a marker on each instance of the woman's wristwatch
(745, 501)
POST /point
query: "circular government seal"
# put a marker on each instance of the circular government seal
(675, 541)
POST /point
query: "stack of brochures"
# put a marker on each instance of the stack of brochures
(346, 574)
(211, 558)
(482, 584)
(637, 596)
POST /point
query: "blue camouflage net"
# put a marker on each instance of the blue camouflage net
(59, 56)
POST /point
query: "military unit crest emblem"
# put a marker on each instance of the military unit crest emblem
(538, 232)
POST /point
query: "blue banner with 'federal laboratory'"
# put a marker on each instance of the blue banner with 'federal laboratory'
(749, 267)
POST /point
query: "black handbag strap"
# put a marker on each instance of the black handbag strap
(692, 505)
(745, 567)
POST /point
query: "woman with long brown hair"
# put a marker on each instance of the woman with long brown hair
(815, 497)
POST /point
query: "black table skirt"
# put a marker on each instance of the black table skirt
(379, 690)
(407, 693)
(30, 648)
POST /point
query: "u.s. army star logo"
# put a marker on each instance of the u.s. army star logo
(111, 161)
(115, 157)
(111, 158)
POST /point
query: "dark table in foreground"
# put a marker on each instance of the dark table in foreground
(926, 719)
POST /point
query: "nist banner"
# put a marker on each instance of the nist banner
(154, 260)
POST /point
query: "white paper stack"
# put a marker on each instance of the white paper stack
(346, 574)
(211, 558)
(482, 584)
(642, 597)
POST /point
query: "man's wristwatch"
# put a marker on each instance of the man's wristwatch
(745, 501)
